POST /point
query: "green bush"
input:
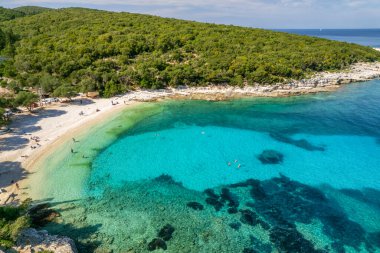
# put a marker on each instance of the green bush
(12, 221)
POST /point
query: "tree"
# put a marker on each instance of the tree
(66, 91)
(26, 99)
(48, 83)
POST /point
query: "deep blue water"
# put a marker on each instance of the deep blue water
(197, 166)
(366, 37)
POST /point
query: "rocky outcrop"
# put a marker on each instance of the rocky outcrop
(323, 81)
(31, 240)
(271, 157)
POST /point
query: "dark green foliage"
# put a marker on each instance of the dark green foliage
(66, 91)
(12, 221)
(113, 52)
(5, 102)
(31, 10)
(26, 99)
(9, 14)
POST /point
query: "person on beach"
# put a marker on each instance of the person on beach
(17, 186)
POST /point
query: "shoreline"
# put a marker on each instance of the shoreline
(56, 124)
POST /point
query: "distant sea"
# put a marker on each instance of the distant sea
(365, 37)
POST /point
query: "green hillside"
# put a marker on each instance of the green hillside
(31, 10)
(87, 50)
(9, 14)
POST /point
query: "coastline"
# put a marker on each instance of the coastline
(58, 123)
(52, 132)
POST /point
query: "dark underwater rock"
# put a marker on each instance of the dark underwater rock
(213, 199)
(251, 218)
(211, 193)
(157, 243)
(257, 192)
(227, 196)
(215, 203)
(304, 144)
(166, 232)
(235, 225)
(250, 204)
(249, 250)
(232, 210)
(367, 195)
(164, 178)
(374, 238)
(246, 183)
(290, 240)
(263, 224)
(195, 205)
(248, 217)
(338, 226)
(289, 201)
(271, 157)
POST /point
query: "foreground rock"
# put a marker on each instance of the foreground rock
(31, 240)
(271, 157)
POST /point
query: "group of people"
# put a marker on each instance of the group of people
(238, 166)
(37, 140)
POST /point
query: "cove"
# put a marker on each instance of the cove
(195, 165)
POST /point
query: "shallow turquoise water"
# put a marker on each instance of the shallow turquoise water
(323, 197)
(194, 141)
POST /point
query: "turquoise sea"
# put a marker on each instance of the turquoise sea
(297, 174)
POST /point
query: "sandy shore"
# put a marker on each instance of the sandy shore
(35, 135)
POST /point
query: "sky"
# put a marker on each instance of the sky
(274, 14)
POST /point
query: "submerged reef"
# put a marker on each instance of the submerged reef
(304, 144)
(157, 243)
(271, 157)
(195, 205)
(275, 215)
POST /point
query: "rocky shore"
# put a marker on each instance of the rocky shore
(321, 82)
(31, 240)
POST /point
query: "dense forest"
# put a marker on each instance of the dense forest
(9, 14)
(79, 50)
